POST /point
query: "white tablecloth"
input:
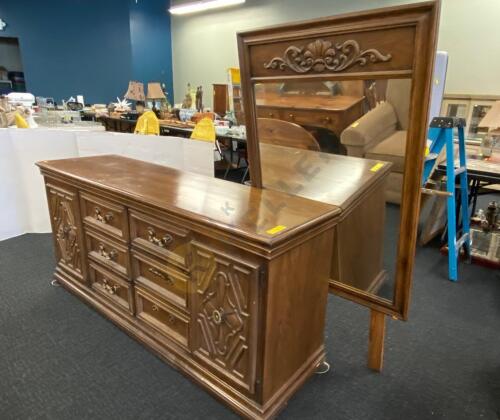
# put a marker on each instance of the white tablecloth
(23, 204)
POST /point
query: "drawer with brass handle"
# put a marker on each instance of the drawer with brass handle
(112, 287)
(110, 256)
(161, 278)
(264, 112)
(163, 242)
(104, 216)
(161, 316)
(161, 238)
(109, 287)
(114, 255)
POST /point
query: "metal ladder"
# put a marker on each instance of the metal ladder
(441, 135)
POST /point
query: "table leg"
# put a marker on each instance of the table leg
(474, 193)
(376, 340)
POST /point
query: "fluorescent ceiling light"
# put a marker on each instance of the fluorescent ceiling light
(198, 6)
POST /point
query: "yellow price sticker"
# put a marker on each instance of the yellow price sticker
(275, 230)
(376, 167)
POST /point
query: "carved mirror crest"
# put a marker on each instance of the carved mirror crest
(336, 111)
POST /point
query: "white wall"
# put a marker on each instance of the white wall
(204, 45)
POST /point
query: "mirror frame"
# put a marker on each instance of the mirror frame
(386, 56)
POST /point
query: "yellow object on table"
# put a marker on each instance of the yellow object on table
(20, 121)
(204, 130)
(147, 124)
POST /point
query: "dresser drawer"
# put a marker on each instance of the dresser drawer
(161, 238)
(110, 253)
(112, 287)
(313, 118)
(162, 317)
(163, 279)
(265, 112)
(105, 216)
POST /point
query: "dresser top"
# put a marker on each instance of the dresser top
(261, 215)
(339, 103)
(333, 179)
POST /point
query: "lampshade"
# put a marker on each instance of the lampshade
(492, 117)
(155, 91)
(135, 91)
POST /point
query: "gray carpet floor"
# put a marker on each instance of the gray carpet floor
(61, 360)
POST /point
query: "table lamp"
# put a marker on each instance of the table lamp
(155, 93)
(135, 92)
(492, 121)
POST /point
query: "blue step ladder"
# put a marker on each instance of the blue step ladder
(441, 135)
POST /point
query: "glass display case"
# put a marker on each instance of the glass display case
(471, 107)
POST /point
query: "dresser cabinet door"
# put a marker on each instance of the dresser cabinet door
(64, 215)
(224, 308)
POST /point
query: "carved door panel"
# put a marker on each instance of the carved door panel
(65, 227)
(224, 308)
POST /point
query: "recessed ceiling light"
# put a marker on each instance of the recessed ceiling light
(198, 6)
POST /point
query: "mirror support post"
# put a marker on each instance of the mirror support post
(376, 340)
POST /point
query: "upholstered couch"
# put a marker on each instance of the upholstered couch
(381, 134)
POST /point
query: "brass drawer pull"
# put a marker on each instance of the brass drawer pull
(103, 219)
(162, 242)
(110, 288)
(158, 273)
(155, 308)
(217, 316)
(327, 120)
(110, 256)
(291, 116)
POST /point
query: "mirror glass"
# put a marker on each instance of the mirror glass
(342, 142)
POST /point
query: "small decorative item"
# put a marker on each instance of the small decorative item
(492, 121)
(491, 220)
(485, 234)
(199, 99)
(121, 105)
(2, 25)
(187, 103)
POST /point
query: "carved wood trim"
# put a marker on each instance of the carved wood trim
(224, 313)
(321, 55)
(65, 228)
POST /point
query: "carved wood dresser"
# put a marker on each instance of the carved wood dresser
(226, 282)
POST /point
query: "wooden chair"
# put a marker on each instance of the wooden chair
(283, 133)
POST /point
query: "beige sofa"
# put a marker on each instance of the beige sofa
(381, 134)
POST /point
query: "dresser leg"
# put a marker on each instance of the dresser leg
(376, 341)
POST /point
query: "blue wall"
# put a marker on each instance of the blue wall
(89, 47)
(150, 38)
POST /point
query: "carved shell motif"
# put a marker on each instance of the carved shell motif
(321, 55)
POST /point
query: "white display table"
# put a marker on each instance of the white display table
(23, 204)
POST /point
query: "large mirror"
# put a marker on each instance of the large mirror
(337, 113)
(342, 142)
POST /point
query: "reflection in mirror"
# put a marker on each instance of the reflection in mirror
(342, 142)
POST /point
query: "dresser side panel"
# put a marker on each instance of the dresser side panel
(297, 292)
(67, 229)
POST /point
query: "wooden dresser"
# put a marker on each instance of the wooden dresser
(227, 283)
(333, 113)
